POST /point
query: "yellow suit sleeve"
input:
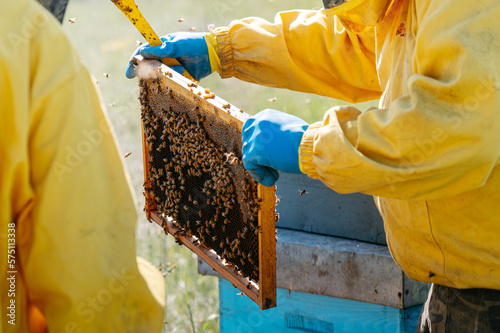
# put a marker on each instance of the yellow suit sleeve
(64, 187)
(305, 51)
(440, 139)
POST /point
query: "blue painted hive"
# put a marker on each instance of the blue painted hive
(334, 270)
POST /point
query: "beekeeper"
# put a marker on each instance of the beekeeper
(429, 153)
(67, 216)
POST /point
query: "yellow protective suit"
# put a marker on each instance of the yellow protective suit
(430, 152)
(65, 200)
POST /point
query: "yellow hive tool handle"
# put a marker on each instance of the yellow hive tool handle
(130, 9)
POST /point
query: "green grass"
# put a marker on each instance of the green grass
(105, 40)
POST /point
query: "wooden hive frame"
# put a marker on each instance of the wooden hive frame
(264, 292)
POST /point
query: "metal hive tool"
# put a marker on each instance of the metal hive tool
(196, 187)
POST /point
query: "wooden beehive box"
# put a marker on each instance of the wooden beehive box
(196, 187)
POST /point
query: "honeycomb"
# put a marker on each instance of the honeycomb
(195, 176)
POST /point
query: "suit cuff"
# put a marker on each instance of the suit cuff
(306, 151)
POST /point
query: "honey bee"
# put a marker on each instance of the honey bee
(278, 200)
(303, 192)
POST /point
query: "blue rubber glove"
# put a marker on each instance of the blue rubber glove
(189, 48)
(271, 141)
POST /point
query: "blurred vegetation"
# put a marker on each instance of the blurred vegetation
(105, 40)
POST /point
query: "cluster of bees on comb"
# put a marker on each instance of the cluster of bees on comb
(195, 177)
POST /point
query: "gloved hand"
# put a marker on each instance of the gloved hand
(196, 52)
(271, 141)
